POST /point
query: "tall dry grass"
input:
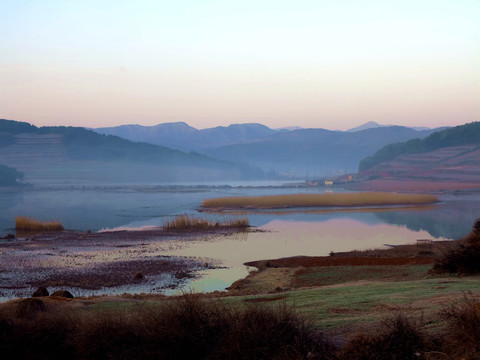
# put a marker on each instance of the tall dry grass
(319, 200)
(192, 327)
(187, 222)
(24, 223)
(397, 338)
(184, 328)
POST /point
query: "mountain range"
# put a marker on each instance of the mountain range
(299, 152)
(181, 136)
(72, 155)
(76, 155)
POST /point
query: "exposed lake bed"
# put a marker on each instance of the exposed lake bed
(97, 263)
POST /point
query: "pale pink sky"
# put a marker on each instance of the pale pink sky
(309, 63)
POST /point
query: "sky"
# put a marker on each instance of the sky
(308, 63)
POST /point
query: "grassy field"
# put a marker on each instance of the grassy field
(319, 200)
(362, 302)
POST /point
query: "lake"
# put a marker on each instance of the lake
(284, 233)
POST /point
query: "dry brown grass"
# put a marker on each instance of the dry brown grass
(319, 200)
(183, 328)
(24, 223)
(187, 222)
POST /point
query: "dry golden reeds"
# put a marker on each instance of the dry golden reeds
(25, 223)
(319, 200)
(187, 222)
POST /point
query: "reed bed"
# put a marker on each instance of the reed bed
(24, 223)
(318, 200)
(187, 222)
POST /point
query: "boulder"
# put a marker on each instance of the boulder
(63, 293)
(138, 276)
(41, 291)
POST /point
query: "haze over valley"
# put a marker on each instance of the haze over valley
(176, 152)
(254, 179)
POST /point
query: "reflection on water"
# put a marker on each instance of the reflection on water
(452, 219)
(97, 209)
(292, 238)
(287, 238)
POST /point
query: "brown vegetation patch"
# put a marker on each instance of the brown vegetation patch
(363, 199)
(23, 223)
(187, 222)
(268, 280)
(318, 261)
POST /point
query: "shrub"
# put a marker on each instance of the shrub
(43, 337)
(187, 327)
(260, 332)
(398, 338)
(463, 324)
(464, 258)
(29, 308)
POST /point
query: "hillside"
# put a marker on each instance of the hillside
(297, 152)
(315, 152)
(76, 155)
(448, 155)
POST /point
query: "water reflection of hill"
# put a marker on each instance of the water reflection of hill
(453, 219)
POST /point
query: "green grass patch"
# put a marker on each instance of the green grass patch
(350, 303)
(329, 275)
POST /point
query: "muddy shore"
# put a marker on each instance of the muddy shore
(99, 263)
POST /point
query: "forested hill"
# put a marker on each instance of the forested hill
(72, 152)
(85, 144)
(9, 176)
(468, 134)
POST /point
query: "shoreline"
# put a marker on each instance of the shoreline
(61, 260)
(101, 262)
(342, 294)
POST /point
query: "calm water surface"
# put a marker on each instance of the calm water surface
(286, 234)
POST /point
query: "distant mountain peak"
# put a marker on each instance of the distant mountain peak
(374, 125)
(367, 125)
(289, 128)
